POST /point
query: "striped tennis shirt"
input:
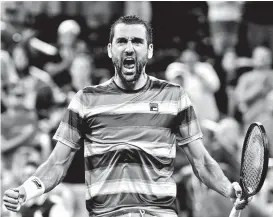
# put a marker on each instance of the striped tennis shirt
(129, 140)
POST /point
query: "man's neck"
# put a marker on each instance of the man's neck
(136, 85)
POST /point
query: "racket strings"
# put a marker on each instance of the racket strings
(253, 161)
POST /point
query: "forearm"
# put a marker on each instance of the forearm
(52, 172)
(253, 93)
(60, 67)
(212, 176)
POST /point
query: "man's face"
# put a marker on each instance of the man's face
(261, 58)
(129, 51)
(20, 58)
(190, 58)
(67, 39)
(81, 70)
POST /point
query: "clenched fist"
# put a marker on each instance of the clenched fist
(13, 198)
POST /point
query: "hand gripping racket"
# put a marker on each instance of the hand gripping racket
(254, 163)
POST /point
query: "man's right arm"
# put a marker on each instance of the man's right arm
(50, 174)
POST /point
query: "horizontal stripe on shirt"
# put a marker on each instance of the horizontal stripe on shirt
(161, 189)
(130, 202)
(152, 148)
(128, 171)
(128, 156)
(148, 96)
(136, 107)
(125, 134)
(131, 119)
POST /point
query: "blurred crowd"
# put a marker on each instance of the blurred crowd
(220, 52)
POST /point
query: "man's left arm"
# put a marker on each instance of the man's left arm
(209, 171)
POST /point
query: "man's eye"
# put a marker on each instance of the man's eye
(122, 41)
(137, 41)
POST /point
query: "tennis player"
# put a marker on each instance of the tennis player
(129, 127)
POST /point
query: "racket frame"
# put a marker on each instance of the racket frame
(245, 194)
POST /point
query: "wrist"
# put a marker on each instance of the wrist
(230, 192)
(22, 194)
(31, 188)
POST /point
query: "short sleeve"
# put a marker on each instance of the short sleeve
(70, 131)
(187, 127)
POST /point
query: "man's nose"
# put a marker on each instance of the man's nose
(129, 48)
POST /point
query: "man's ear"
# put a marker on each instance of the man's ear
(109, 46)
(150, 51)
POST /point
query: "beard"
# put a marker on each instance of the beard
(128, 75)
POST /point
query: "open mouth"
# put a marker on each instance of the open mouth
(129, 63)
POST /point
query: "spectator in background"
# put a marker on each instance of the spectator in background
(81, 72)
(49, 111)
(68, 45)
(31, 78)
(254, 86)
(200, 81)
(8, 77)
(234, 66)
(17, 123)
(224, 19)
(26, 95)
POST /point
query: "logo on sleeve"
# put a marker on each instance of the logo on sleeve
(154, 107)
(37, 183)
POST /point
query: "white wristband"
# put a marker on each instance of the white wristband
(34, 187)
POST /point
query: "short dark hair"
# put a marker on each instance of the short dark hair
(130, 20)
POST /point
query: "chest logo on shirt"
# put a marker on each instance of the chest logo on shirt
(154, 107)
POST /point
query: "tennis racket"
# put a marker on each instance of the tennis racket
(254, 163)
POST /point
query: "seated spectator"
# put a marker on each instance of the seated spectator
(254, 86)
(8, 77)
(17, 123)
(234, 66)
(49, 111)
(31, 78)
(68, 45)
(200, 81)
(82, 71)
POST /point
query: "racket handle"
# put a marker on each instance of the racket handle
(235, 213)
